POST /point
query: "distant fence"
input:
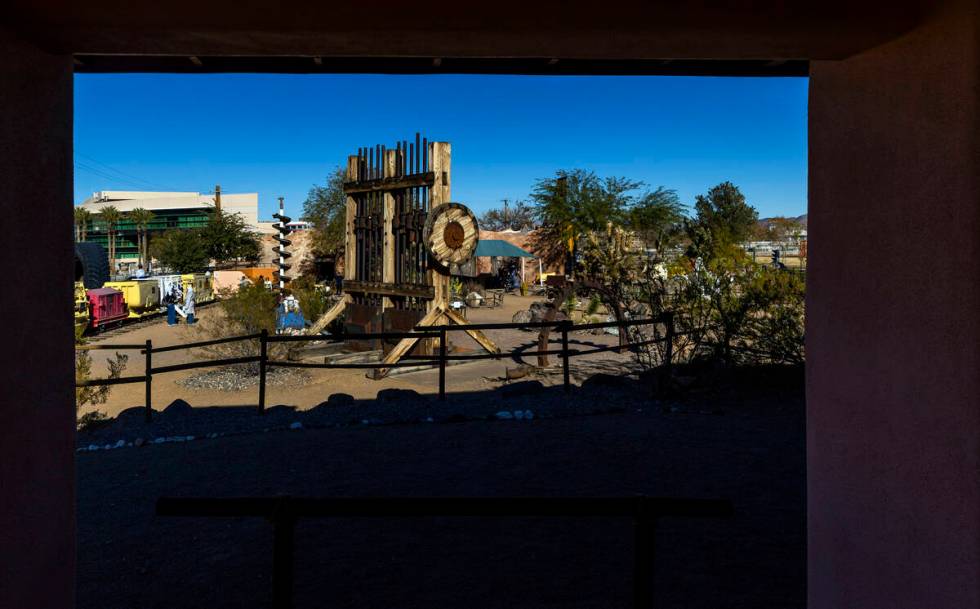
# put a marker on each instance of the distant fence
(429, 332)
(284, 512)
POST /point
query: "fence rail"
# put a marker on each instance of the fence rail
(284, 512)
(429, 332)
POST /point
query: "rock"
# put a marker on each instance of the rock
(518, 372)
(178, 408)
(296, 425)
(139, 442)
(528, 415)
(93, 447)
(504, 415)
(519, 415)
(686, 382)
(159, 440)
(189, 438)
(606, 381)
(132, 416)
(119, 444)
(522, 317)
(522, 388)
(340, 399)
(397, 395)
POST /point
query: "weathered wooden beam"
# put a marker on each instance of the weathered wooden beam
(440, 157)
(329, 316)
(392, 183)
(389, 289)
(481, 338)
(388, 245)
(350, 241)
(405, 345)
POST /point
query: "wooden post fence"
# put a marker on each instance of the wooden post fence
(263, 357)
(284, 512)
(441, 360)
(442, 364)
(565, 372)
(149, 381)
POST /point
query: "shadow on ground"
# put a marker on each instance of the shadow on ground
(729, 435)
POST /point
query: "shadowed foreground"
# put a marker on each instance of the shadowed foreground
(750, 450)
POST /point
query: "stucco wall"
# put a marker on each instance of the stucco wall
(893, 323)
(37, 412)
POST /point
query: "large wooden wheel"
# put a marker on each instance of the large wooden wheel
(451, 234)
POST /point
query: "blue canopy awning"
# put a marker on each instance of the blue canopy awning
(500, 248)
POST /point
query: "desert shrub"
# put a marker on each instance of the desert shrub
(728, 309)
(92, 420)
(93, 395)
(248, 311)
(313, 299)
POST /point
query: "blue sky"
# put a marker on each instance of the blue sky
(280, 134)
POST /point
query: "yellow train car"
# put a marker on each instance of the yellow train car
(203, 286)
(142, 296)
(81, 307)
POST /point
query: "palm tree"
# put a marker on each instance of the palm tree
(82, 219)
(111, 216)
(141, 218)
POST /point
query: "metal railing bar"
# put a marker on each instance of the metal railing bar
(206, 364)
(205, 343)
(117, 381)
(107, 347)
(424, 507)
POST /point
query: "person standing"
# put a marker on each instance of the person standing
(189, 303)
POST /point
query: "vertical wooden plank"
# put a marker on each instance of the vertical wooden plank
(388, 257)
(440, 159)
(350, 242)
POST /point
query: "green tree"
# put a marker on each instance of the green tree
(658, 219)
(110, 217)
(574, 203)
(723, 220)
(141, 218)
(227, 238)
(518, 217)
(83, 218)
(183, 251)
(326, 208)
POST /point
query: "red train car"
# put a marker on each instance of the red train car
(106, 306)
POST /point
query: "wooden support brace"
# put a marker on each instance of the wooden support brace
(332, 314)
(405, 345)
(481, 338)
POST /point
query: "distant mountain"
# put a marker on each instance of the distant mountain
(799, 219)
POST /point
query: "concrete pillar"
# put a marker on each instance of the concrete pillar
(37, 412)
(893, 322)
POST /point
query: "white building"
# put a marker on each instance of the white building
(178, 206)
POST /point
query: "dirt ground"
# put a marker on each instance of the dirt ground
(744, 444)
(466, 377)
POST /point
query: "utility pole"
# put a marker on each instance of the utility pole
(505, 213)
(217, 198)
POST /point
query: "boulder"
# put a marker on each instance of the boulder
(522, 388)
(522, 317)
(339, 399)
(398, 395)
(178, 408)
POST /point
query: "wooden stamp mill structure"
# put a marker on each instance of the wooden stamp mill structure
(404, 239)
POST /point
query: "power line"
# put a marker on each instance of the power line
(109, 172)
